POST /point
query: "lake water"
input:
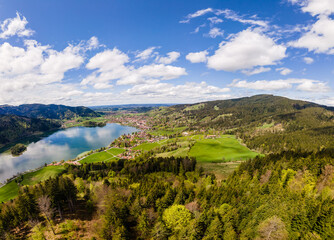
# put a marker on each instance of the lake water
(64, 144)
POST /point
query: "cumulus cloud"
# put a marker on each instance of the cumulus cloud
(171, 57)
(320, 37)
(188, 91)
(284, 71)
(197, 57)
(245, 50)
(215, 32)
(34, 64)
(113, 64)
(15, 26)
(307, 85)
(316, 7)
(308, 60)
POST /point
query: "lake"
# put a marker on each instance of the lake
(64, 144)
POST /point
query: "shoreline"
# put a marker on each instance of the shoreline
(74, 161)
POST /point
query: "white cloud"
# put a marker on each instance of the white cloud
(196, 14)
(320, 37)
(307, 85)
(189, 91)
(171, 57)
(229, 14)
(313, 86)
(255, 71)
(113, 65)
(146, 54)
(198, 28)
(15, 26)
(197, 57)
(108, 60)
(262, 84)
(308, 60)
(316, 7)
(215, 32)
(245, 50)
(215, 20)
(161, 71)
(33, 65)
(93, 43)
(284, 71)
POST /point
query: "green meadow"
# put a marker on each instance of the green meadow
(108, 155)
(10, 190)
(224, 149)
(146, 146)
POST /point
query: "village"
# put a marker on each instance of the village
(127, 142)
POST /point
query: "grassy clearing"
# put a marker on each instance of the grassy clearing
(146, 146)
(116, 151)
(221, 170)
(10, 190)
(226, 148)
(180, 152)
(108, 155)
(97, 157)
(168, 131)
(195, 107)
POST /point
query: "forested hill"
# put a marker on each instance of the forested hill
(47, 111)
(16, 127)
(265, 122)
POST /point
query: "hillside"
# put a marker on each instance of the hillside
(265, 122)
(14, 127)
(47, 111)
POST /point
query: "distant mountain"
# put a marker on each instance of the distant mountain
(135, 108)
(265, 122)
(13, 127)
(47, 111)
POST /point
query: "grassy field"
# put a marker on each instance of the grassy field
(108, 155)
(221, 170)
(10, 190)
(116, 151)
(146, 146)
(226, 148)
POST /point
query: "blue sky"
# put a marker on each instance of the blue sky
(105, 52)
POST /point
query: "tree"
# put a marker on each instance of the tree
(176, 217)
(215, 230)
(44, 204)
(272, 228)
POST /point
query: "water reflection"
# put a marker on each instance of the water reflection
(64, 144)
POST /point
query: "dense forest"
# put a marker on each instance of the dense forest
(280, 196)
(285, 193)
(47, 111)
(13, 127)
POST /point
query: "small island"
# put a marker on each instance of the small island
(18, 149)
